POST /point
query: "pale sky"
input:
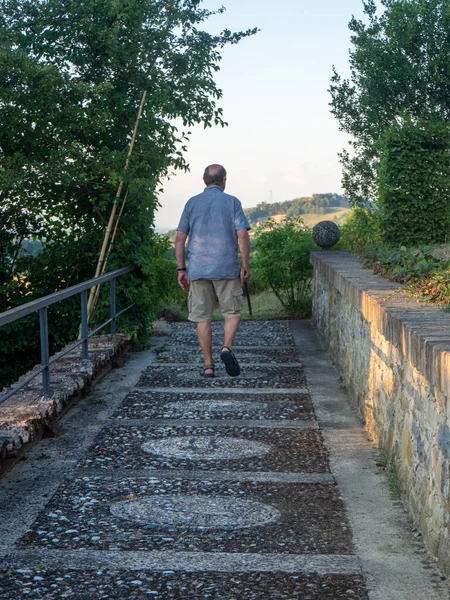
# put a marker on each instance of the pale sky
(282, 142)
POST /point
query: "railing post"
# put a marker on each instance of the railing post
(112, 305)
(84, 325)
(45, 355)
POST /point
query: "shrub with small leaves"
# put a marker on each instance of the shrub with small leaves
(414, 183)
(361, 231)
(281, 262)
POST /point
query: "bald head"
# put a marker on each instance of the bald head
(215, 175)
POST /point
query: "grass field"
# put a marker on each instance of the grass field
(265, 306)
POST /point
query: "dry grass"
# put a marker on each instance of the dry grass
(338, 214)
(264, 306)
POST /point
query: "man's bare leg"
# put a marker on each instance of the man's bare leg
(204, 334)
(230, 328)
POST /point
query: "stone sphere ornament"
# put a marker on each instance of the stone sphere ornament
(326, 234)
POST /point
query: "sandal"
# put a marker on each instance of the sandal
(208, 368)
(230, 362)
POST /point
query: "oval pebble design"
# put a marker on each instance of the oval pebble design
(196, 511)
(214, 405)
(205, 447)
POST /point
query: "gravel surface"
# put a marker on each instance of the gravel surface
(192, 405)
(250, 334)
(113, 585)
(251, 377)
(145, 486)
(291, 450)
(174, 354)
(312, 518)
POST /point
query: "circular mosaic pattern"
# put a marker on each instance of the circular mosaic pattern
(196, 511)
(206, 447)
(209, 405)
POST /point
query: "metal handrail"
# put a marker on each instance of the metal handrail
(42, 304)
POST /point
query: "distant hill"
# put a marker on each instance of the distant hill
(329, 206)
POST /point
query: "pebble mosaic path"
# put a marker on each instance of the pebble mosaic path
(191, 488)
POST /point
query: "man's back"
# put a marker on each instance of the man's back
(211, 220)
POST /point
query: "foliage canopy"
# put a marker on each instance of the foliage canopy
(399, 67)
(71, 77)
(361, 231)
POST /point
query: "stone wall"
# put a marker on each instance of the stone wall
(393, 355)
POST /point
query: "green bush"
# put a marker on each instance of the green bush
(361, 231)
(281, 262)
(414, 183)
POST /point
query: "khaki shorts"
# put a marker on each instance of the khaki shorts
(205, 294)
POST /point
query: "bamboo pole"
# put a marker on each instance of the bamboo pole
(93, 295)
(110, 247)
(113, 237)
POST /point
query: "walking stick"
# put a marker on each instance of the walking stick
(246, 292)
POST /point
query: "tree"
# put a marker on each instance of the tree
(399, 67)
(71, 77)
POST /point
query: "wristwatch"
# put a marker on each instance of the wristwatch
(182, 269)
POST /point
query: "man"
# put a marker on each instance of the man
(216, 227)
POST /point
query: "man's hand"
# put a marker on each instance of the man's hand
(245, 275)
(183, 280)
(244, 247)
(180, 242)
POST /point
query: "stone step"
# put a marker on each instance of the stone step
(251, 377)
(175, 354)
(215, 404)
(92, 512)
(239, 422)
(203, 446)
(251, 334)
(105, 473)
(174, 576)
(223, 390)
(221, 562)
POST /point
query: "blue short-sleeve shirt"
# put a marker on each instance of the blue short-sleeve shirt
(211, 220)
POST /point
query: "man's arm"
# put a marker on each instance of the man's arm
(180, 242)
(244, 247)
